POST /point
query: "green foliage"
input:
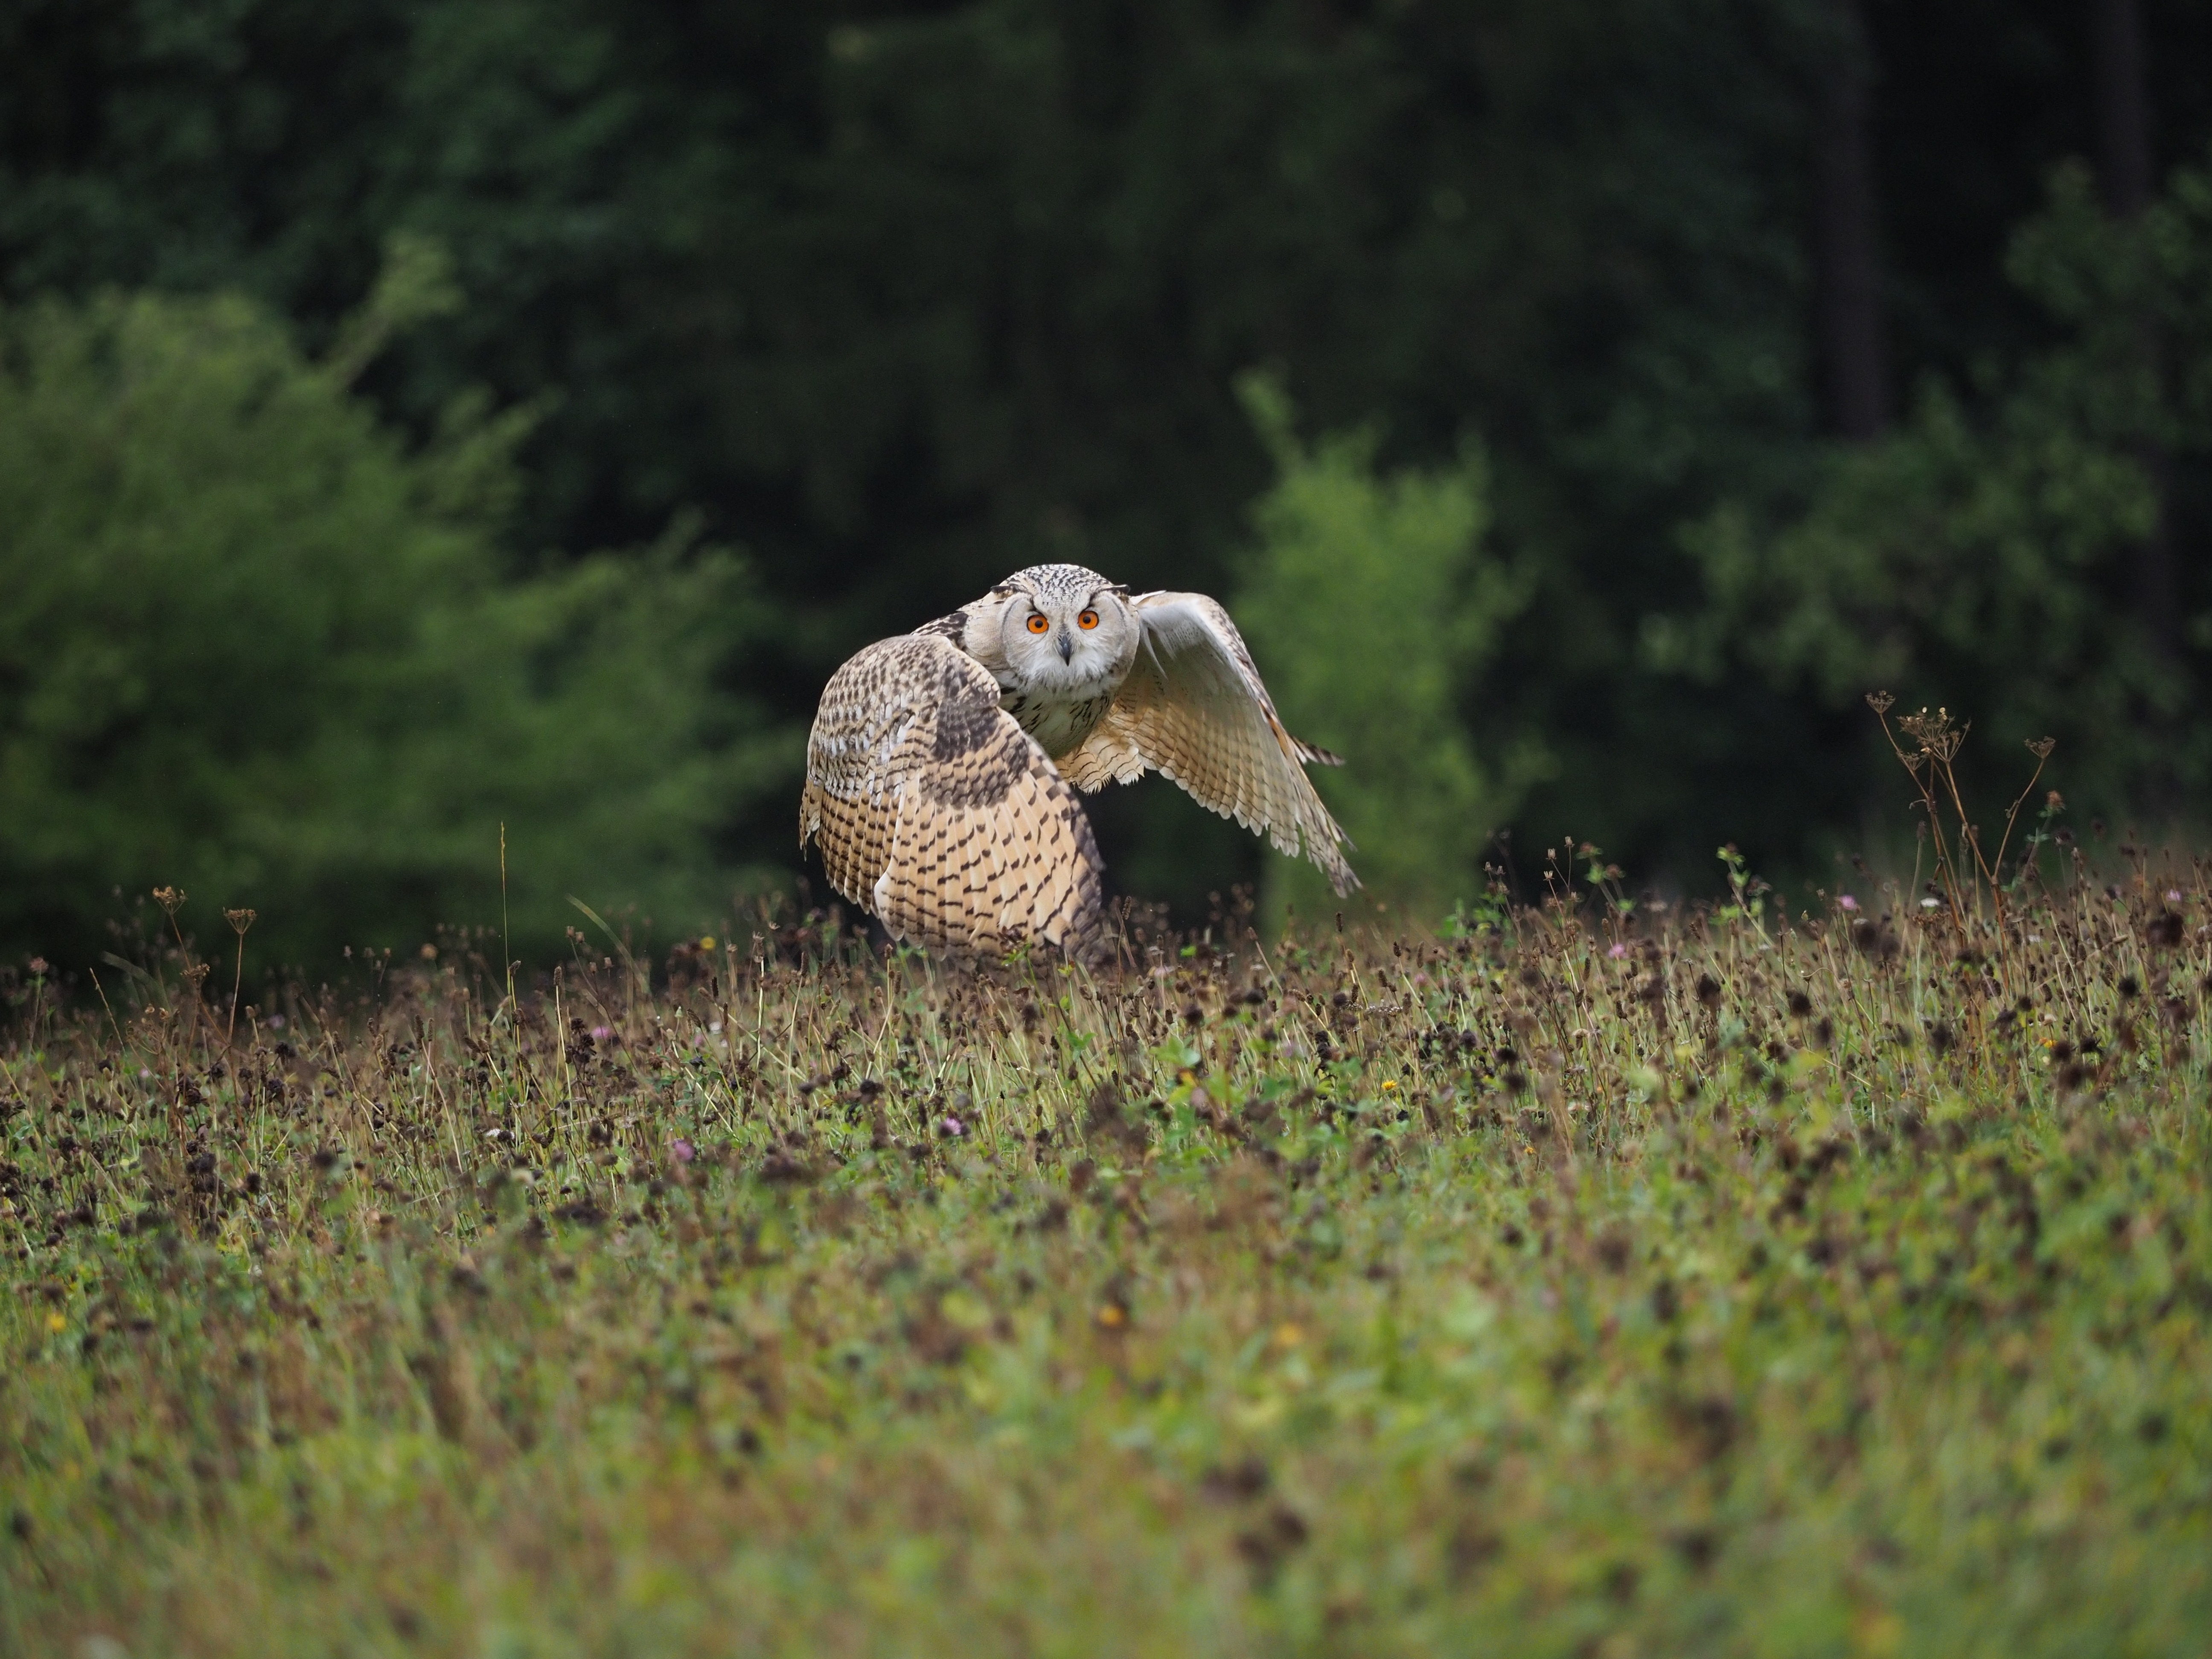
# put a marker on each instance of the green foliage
(1992, 549)
(907, 296)
(904, 295)
(256, 648)
(1655, 1285)
(1372, 606)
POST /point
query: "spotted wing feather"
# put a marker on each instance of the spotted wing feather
(1194, 709)
(938, 814)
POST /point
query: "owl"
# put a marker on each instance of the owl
(942, 769)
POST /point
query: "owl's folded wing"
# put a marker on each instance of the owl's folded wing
(940, 815)
(1194, 709)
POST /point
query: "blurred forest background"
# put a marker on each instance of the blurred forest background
(420, 415)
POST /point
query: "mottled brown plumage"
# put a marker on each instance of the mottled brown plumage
(931, 781)
(938, 814)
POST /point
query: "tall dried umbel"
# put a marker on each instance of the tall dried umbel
(240, 920)
(1964, 870)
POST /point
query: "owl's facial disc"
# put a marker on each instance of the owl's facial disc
(1060, 644)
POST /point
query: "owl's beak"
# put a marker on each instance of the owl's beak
(1066, 647)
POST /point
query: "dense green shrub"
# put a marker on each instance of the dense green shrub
(906, 297)
(1371, 604)
(254, 646)
(1991, 547)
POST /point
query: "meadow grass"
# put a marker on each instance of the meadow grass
(1589, 1283)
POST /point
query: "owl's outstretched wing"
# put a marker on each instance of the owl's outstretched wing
(937, 813)
(1194, 709)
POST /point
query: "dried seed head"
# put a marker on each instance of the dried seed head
(240, 920)
(171, 899)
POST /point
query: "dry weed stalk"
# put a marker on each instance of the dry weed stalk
(1966, 875)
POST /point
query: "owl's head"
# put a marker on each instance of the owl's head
(1065, 628)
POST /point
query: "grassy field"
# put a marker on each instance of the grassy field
(1588, 1284)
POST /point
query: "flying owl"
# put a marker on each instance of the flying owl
(938, 770)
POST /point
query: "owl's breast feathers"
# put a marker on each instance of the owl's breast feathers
(1058, 724)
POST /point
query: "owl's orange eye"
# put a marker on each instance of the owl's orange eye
(1039, 625)
(1088, 619)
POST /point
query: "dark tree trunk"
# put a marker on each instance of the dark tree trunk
(2124, 163)
(1854, 346)
(2127, 174)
